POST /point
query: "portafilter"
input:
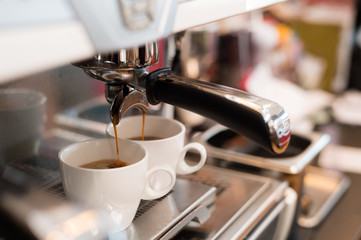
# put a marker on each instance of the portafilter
(128, 84)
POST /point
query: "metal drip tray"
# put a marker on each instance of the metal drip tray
(217, 202)
(225, 144)
(242, 202)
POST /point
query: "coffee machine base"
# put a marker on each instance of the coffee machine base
(214, 203)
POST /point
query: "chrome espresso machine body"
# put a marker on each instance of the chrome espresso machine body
(214, 203)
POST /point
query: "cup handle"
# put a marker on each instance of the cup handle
(156, 179)
(183, 167)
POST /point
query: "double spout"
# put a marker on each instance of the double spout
(126, 99)
(123, 97)
(260, 120)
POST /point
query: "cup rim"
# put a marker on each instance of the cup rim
(41, 97)
(73, 145)
(178, 123)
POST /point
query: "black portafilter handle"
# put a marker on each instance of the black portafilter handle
(260, 120)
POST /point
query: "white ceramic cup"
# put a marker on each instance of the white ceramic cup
(169, 149)
(116, 190)
(22, 120)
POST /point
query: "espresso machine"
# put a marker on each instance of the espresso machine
(121, 44)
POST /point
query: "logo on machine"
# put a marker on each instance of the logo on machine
(284, 132)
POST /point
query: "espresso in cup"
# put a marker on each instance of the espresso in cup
(163, 138)
(105, 164)
(144, 138)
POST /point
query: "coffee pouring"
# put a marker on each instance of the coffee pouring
(129, 85)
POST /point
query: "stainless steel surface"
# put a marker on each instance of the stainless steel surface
(322, 188)
(119, 65)
(78, 117)
(269, 218)
(241, 204)
(291, 164)
(200, 214)
(159, 219)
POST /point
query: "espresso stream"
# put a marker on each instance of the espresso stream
(114, 163)
(120, 163)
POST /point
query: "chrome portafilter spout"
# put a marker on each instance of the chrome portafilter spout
(124, 100)
(123, 97)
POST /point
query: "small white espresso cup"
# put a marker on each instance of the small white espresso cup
(22, 121)
(168, 149)
(116, 190)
